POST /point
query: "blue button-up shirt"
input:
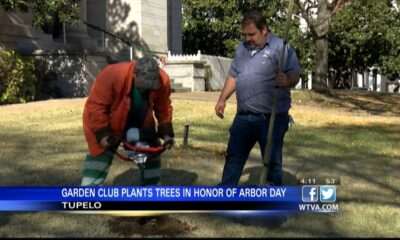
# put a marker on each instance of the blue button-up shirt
(255, 73)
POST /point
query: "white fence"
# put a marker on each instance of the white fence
(184, 57)
(198, 72)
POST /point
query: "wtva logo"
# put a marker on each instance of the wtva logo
(309, 194)
(327, 193)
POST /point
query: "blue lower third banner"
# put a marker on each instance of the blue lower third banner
(162, 198)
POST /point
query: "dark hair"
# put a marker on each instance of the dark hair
(256, 17)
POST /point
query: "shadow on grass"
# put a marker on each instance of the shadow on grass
(340, 157)
(255, 173)
(269, 220)
(4, 220)
(42, 158)
(369, 164)
(257, 219)
(374, 103)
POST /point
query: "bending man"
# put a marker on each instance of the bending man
(125, 95)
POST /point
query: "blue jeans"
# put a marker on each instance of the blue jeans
(246, 130)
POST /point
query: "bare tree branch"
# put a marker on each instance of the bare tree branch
(305, 15)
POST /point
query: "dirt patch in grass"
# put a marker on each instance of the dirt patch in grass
(164, 226)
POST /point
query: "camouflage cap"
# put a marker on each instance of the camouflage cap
(147, 73)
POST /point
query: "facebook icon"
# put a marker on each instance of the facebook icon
(310, 194)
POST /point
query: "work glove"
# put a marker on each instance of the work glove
(109, 142)
(169, 142)
(148, 135)
(105, 138)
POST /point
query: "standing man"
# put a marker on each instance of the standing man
(254, 76)
(123, 96)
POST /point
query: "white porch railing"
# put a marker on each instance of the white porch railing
(184, 57)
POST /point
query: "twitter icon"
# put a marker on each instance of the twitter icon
(327, 193)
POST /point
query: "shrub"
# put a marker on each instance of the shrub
(17, 78)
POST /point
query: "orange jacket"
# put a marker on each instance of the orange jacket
(108, 104)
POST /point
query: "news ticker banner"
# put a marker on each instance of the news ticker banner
(310, 198)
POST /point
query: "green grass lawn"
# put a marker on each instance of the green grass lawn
(351, 136)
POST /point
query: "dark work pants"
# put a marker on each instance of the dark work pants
(246, 130)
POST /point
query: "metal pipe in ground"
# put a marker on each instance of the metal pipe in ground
(186, 135)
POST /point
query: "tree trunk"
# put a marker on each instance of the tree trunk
(321, 65)
(321, 29)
